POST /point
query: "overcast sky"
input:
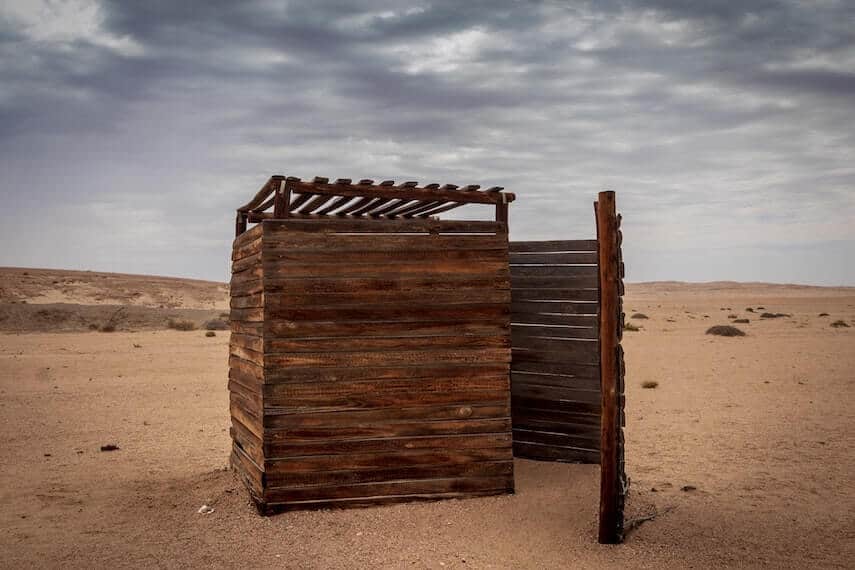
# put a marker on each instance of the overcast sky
(130, 131)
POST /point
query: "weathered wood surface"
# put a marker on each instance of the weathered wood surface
(555, 350)
(371, 368)
(613, 480)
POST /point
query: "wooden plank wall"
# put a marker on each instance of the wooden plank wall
(555, 372)
(246, 361)
(386, 363)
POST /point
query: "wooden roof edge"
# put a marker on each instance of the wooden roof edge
(407, 190)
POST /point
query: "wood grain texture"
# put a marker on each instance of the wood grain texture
(369, 365)
(555, 350)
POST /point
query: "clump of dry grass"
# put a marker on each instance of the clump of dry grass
(216, 325)
(639, 316)
(824, 315)
(630, 327)
(750, 310)
(108, 328)
(741, 321)
(210, 334)
(725, 330)
(649, 384)
(774, 315)
(840, 324)
(181, 325)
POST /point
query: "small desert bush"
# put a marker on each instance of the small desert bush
(741, 321)
(216, 325)
(774, 315)
(649, 384)
(630, 327)
(210, 334)
(750, 310)
(840, 324)
(109, 327)
(725, 330)
(732, 316)
(639, 316)
(824, 315)
(181, 325)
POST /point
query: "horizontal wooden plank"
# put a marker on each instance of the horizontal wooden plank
(248, 380)
(569, 392)
(363, 297)
(436, 268)
(246, 367)
(310, 223)
(246, 354)
(590, 382)
(250, 342)
(247, 315)
(576, 354)
(590, 271)
(281, 329)
(560, 282)
(249, 442)
(358, 418)
(359, 502)
(572, 369)
(569, 406)
(247, 470)
(281, 449)
(342, 344)
(248, 401)
(405, 487)
(521, 332)
(278, 254)
(553, 246)
(248, 418)
(550, 453)
(246, 237)
(252, 274)
(313, 359)
(554, 307)
(442, 194)
(247, 301)
(385, 372)
(246, 288)
(248, 262)
(384, 393)
(386, 429)
(291, 241)
(555, 420)
(577, 258)
(578, 350)
(395, 312)
(388, 283)
(587, 321)
(243, 327)
(357, 461)
(246, 249)
(520, 294)
(346, 476)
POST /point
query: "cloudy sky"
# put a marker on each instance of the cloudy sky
(130, 131)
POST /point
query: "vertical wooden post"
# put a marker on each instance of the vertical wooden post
(611, 440)
(240, 223)
(282, 200)
(502, 212)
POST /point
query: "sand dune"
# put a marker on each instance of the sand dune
(758, 429)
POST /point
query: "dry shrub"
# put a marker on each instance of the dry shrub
(210, 334)
(639, 316)
(840, 324)
(109, 327)
(824, 315)
(732, 316)
(181, 325)
(725, 330)
(216, 325)
(630, 327)
(649, 384)
(750, 310)
(741, 321)
(774, 315)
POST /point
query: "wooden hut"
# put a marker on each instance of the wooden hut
(370, 348)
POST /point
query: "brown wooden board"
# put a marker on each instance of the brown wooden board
(555, 350)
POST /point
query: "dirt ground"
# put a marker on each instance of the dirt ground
(761, 426)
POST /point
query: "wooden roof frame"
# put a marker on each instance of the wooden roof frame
(407, 203)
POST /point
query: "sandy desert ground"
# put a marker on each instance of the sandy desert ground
(760, 426)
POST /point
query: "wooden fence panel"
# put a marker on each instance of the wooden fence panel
(555, 391)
